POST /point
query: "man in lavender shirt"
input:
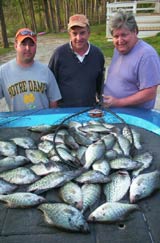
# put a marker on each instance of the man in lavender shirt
(134, 73)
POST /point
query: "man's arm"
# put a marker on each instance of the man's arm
(135, 99)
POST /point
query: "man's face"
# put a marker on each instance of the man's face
(26, 51)
(124, 40)
(79, 37)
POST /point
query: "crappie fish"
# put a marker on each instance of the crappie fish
(63, 131)
(136, 137)
(124, 144)
(116, 147)
(91, 194)
(53, 180)
(70, 142)
(8, 148)
(8, 163)
(58, 139)
(112, 212)
(92, 176)
(94, 128)
(117, 188)
(40, 128)
(55, 158)
(146, 160)
(81, 139)
(24, 142)
(109, 126)
(36, 156)
(144, 185)
(80, 153)
(6, 187)
(109, 141)
(19, 176)
(45, 146)
(102, 165)
(50, 137)
(65, 154)
(22, 199)
(62, 147)
(64, 216)
(41, 169)
(111, 154)
(124, 163)
(71, 194)
(74, 124)
(94, 152)
(67, 157)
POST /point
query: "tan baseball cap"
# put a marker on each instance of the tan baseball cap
(25, 33)
(78, 20)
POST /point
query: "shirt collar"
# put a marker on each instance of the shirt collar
(86, 53)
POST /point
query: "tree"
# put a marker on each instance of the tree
(33, 20)
(52, 15)
(3, 27)
(22, 11)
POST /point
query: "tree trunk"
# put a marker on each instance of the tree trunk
(46, 12)
(67, 12)
(57, 10)
(3, 28)
(23, 15)
(33, 21)
(52, 16)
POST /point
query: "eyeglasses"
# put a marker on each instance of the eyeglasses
(26, 32)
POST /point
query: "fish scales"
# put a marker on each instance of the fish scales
(24, 142)
(91, 194)
(109, 141)
(8, 148)
(36, 156)
(22, 199)
(70, 141)
(71, 193)
(12, 162)
(124, 144)
(81, 139)
(6, 187)
(112, 212)
(117, 188)
(136, 137)
(64, 216)
(146, 159)
(94, 152)
(144, 185)
(92, 176)
(124, 163)
(19, 176)
(53, 180)
(45, 146)
(102, 165)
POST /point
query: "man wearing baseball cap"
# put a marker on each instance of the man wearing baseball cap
(24, 82)
(78, 66)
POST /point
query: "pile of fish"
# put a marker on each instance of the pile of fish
(98, 170)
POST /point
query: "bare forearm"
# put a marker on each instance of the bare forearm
(135, 99)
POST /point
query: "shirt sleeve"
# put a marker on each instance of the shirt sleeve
(53, 91)
(149, 71)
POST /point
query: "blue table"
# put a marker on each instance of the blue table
(27, 225)
(147, 119)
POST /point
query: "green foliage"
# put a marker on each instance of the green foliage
(98, 38)
(154, 41)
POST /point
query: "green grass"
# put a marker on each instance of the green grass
(98, 37)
